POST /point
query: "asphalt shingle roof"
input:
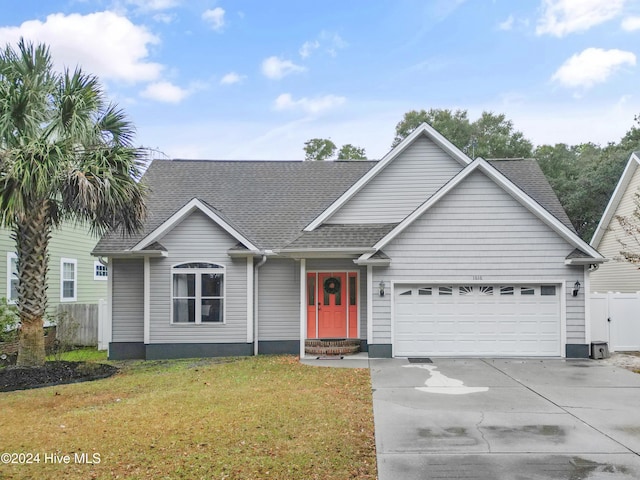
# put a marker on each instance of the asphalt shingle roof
(271, 202)
(346, 236)
(527, 175)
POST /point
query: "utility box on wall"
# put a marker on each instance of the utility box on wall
(599, 350)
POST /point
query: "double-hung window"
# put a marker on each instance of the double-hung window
(12, 277)
(68, 279)
(197, 293)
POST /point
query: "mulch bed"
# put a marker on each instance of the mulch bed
(52, 373)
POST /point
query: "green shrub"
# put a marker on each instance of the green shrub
(8, 321)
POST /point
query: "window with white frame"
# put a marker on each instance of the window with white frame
(197, 293)
(68, 279)
(12, 277)
(100, 271)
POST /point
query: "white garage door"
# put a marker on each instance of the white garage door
(477, 320)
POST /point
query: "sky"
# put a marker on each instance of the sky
(255, 79)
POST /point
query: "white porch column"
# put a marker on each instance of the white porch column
(303, 304)
(370, 294)
(147, 300)
(250, 329)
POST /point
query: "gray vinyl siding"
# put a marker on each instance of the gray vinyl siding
(279, 295)
(198, 238)
(342, 265)
(279, 300)
(478, 230)
(128, 300)
(404, 184)
(618, 275)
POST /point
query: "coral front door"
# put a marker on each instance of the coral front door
(332, 308)
(332, 305)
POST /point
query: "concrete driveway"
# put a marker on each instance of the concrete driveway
(509, 419)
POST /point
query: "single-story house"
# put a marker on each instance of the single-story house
(422, 253)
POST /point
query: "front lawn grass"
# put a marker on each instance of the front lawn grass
(244, 418)
(86, 354)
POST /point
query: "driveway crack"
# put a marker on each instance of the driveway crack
(481, 433)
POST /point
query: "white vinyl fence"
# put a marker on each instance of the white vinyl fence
(615, 318)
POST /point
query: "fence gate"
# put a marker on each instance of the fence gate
(615, 318)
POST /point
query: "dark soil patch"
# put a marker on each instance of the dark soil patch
(52, 373)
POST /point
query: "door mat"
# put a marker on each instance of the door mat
(332, 357)
(420, 360)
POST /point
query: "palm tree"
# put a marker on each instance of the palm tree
(66, 154)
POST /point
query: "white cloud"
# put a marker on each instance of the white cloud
(165, 92)
(631, 24)
(507, 24)
(562, 17)
(277, 68)
(164, 18)
(102, 43)
(231, 78)
(333, 41)
(592, 66)
(215, 18)
(308, 47)
(153, 5)
(308, 105)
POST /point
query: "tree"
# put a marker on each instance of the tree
(351, 152)
(65, 154)
(319, 149)
(490, 136)
(584, 176)
(454, 126)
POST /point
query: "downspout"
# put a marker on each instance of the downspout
(256, 304)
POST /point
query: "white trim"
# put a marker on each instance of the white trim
(181, 214)
(100, 278)
(109, 326)
(303, 305)
(369, 304)
(11, 256)
(562, 292)
(198, 291)
(250, 332)
(423, 129)
(535, 208)
(147, 301)
(74, 262)
(616, 198)
(586, 289)
(563, 319)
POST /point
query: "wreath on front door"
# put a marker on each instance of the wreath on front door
(332, 285)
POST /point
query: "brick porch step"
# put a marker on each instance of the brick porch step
(332, 346)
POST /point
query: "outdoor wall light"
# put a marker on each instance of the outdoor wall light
(381, 288)
(576, 288)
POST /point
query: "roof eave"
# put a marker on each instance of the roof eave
(130, 253)
(330, 252)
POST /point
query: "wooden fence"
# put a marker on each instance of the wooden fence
(78, 324)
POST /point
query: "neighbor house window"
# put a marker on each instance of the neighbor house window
(100, 271)
(68, 279)
(198, 293)
(12, 277)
